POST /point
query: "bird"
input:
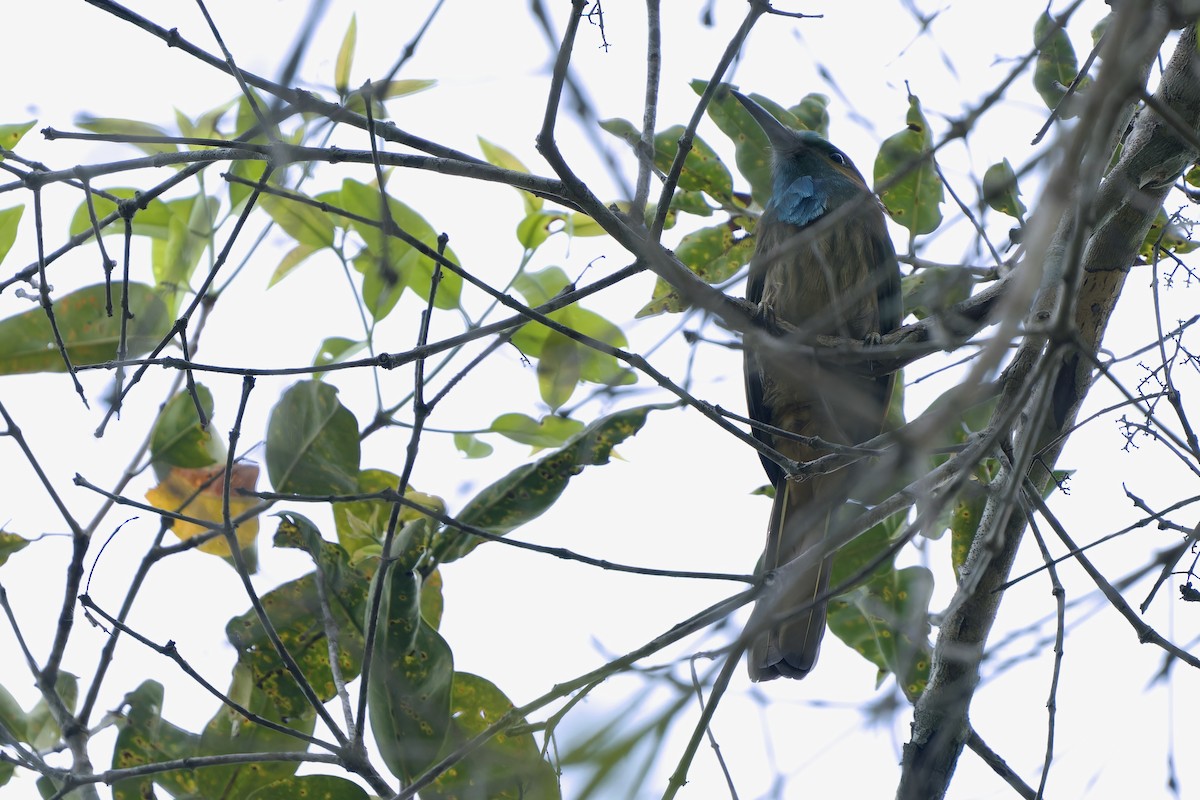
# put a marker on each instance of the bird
(824, 263)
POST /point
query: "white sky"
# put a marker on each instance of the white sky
(680, 498)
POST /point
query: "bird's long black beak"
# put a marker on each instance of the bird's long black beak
(781, 136)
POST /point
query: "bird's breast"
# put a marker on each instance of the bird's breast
(822, 281)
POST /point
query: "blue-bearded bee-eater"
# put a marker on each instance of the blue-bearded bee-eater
(824, 263)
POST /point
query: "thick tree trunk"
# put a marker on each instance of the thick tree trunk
(1084, 269)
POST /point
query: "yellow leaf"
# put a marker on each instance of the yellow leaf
(197, 493)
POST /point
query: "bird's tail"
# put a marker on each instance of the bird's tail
(790, 648)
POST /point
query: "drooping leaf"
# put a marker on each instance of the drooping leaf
(411, 674)
(294, 609)
(472, 446)
(12, 716)
(886, 619)
(41, 731)
(559, 368)
(190, 229)
(90, 335)
(398, 263)
(228, 732)
(508, 766)
(10, 220)
(305, 223)
(702, 169)
(180, 439)
(1000, 190)
(310, 787)
(364, 522)
(499, 157)
(1165, 235)
(567, 361)
(887, 622)
(930, 290)
(312, 442)
(144, 737)
(529, 490)
(905, 177)
(1056, 66)
(713, 254)
(752, 151)
(550, 431)
(199, 494)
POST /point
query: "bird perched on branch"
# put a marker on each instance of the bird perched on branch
(824, 263)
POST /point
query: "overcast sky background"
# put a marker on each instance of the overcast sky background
(681, 496)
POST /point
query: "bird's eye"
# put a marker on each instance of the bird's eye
(838, 158)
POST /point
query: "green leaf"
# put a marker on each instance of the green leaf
(90, 335)
(292, 259)
(305, 223)
(179, 439)
(113, 126)
(702, 171)
(541, 286)
(529, 490)
(11, 133)
(1056, 66)
(497, 156)
(228, 732)
(812, 112)
(508, 766)
(10, 220)
(577, 360)
(335, 350)
(1000, 190)
(470, 446)
(558, 369)
(930, 290)
(886, 619)
(12, 716)
(41, 731)
(691, 203)
(154, 220)
(397, 264)
(381, 93)
(905, 177)
(189, 232)
(752, 151)
(411, 671)
(964, 521)
(887, 622)
(538, 226)
(205, 125)
(1173, 239)
(312, 442)
(345, 58)
(362, 523)
(10, 543)
(294, 609)
(309, 787)
(550, 431)
(712, 254)
(144, 737)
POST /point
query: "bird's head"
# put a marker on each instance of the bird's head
(804, 154)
